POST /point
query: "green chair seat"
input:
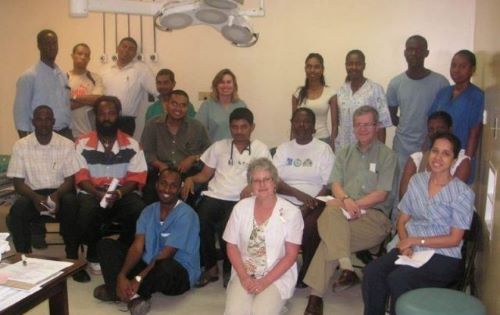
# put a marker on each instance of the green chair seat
(437, 301)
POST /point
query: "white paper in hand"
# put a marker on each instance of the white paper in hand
(417, 260)
(112, 187)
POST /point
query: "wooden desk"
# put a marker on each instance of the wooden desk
(55, 290)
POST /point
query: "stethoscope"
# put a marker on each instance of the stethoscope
(247, 148)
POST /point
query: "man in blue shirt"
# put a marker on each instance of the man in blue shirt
(43, 84)
(164, 256)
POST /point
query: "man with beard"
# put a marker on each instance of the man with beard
(164, 256)
(43, 83)
(42, 168)
(105, 155)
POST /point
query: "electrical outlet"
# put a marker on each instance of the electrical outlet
(154, 57)
(202, 96)
(104, 58)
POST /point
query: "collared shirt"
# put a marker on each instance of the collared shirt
(215, 117)
(83, 118)
(180, 230)
(451, 207)
(370, 93)
(305, 167)
(362, 173)
(43, 166)
(42, 85)
(284, 225)
(160, 144)
(126, 161)
(230, 168)
(130, 84)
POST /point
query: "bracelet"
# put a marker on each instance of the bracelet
(119, 193)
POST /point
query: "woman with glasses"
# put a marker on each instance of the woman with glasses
(263, 238)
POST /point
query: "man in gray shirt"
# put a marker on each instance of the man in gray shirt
(413, 92)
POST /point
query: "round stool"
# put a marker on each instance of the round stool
(437, 301)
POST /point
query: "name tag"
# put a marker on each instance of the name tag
(165, 234)
(373, 167)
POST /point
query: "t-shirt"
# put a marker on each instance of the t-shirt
(414, 98)
(83, 118)
(304, 167)
(230, 167)
(370, 93)
(215, 117)
(321, 108)
(180, 230)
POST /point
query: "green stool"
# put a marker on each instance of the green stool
(437, 301)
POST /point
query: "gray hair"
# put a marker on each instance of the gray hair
(262, 164)
(366, 109)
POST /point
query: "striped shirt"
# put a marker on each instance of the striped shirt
(452, 207)
(127, 162)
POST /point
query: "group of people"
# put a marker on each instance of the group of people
(198, 178)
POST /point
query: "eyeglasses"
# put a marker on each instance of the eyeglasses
(265, 180)
(364, 125)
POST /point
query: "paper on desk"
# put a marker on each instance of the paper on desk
(4, 244)
(34, 272)
(417, 260)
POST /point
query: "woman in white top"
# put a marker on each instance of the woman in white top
(263, 238)
(316, 95)
(356, 92)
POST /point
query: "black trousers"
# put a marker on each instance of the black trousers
(310, 238)
(167, 276)
(127, 125)
(92, 217)
(23, 213)
(213, 214)
(382, 278)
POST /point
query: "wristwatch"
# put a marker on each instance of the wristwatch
(422, 242)
(138, 278)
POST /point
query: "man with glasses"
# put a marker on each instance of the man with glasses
(358, 217)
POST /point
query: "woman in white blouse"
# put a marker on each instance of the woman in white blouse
(263, 238)
(356, 92)
(318, 96)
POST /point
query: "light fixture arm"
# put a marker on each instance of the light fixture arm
(81, 8)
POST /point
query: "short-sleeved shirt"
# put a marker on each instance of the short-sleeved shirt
(126, 163)
(157, 109)
(43, 166)
(160, 144)
(42, 85)
(88, 83)
(321, 107)
(215, 117)
(130, 84)
(284, 225)
(180, 230)
(466, 110)
(452, 207)
(414, 99)
(370, 93)
(362, 173)
(230, 167)
(305, 167)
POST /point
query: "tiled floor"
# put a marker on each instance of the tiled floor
(205, 301)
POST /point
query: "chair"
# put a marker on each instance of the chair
(470, 247)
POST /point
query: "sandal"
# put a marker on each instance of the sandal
(205, 279)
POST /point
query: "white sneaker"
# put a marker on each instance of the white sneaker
(95, 268)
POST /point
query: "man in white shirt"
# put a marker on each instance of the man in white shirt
(226, 162)
(129, 80)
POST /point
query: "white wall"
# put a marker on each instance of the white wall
(267, 73)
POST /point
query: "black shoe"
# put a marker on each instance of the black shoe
(347, 279)
(38, 241)
(102, 294)
(300, 285)
(225, 279)
(81, 276)
(314, 306)
(139, 306)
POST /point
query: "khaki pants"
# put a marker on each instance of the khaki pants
(340, 238)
